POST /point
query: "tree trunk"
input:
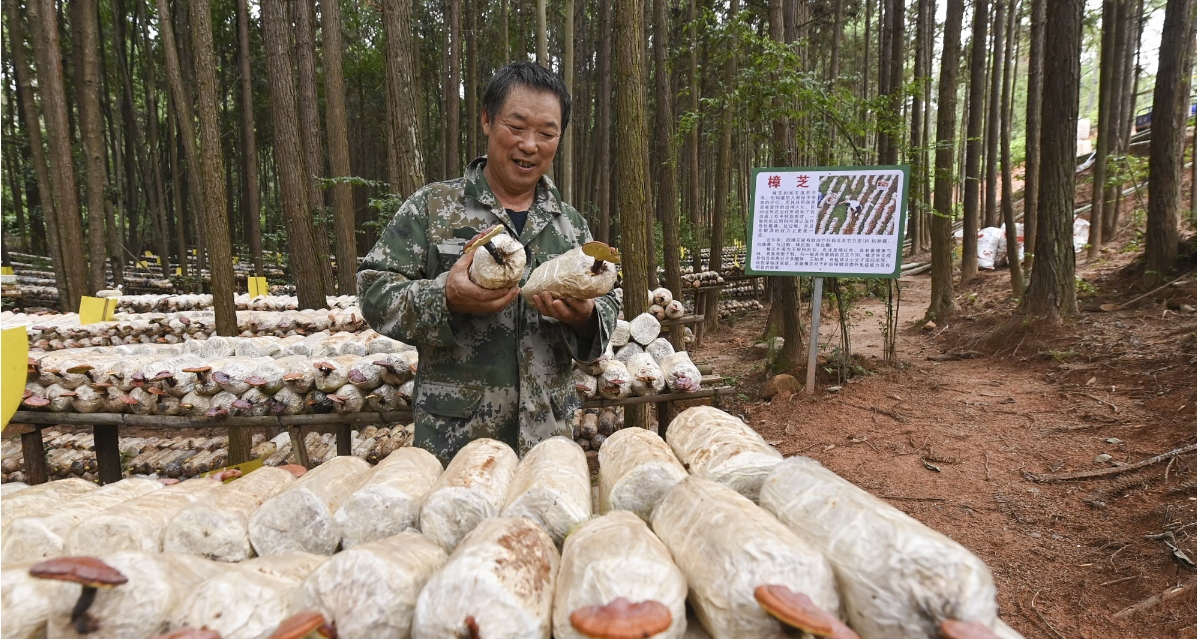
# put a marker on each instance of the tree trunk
(972, 162)
(897, 59)
(309, 123)
(884, 33)
(602, 161)
(666, 177)
(288, 157)
(44, 27)
(918, 134)
(1105, 127)
(404, 93)
(1169, 111)
(1007, 173)
(92, 128)
(253, 202)
(214, 215)
(338, 149)
(1030, 207)
(504, 34)
(993, 120)
(33, 129)
(1117, 113)
(451, 88)
(633, 140)
(943, 301)
(837, 36)
(472, 122)
(176, 192)
(566, 180)
(1052, 291)
(542, 38)
(693, 141)
(723, 171)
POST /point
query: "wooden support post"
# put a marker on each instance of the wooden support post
(298, 447)
(344, 439)
(108, 454)
(664, 416)
(240, 442)
(35, 456)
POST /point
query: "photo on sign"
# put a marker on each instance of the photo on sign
(862, 204)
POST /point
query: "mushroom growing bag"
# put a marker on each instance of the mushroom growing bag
(388, 502)
(899, 578)
(551, 487)
(137, 524)
(38, 499)
(370, 590)
(486, 272)
(720, 446)
(612, 556)
(472, 488)
(636, 469)
(24, 602)
(217, 525)
(300, 517)
(499, 580)
(582, 273)
(726, 546)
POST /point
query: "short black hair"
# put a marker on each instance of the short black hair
(528, 74)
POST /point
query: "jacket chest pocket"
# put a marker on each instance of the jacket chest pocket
(448, 252)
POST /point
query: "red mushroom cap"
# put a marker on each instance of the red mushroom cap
(79, 368)
(622, 619)
(797, 610)
(86, 571)
(955, 629)
(300, 624)
(197, 369)
(37, 402)
(294, 469)
(189, 633)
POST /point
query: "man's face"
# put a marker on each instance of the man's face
(522, 139)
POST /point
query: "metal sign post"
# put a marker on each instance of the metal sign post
(812, 353)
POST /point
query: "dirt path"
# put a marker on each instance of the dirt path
(948, 441)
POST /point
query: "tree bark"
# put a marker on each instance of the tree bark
(309, 123)
(452, 88)
(288, 156)
(1117, 113)
(1169, 111)
(253, 201)
(972, 162)
(602, 152)
(897, 62)
(214, 215)
(666, 177)
(176, 191)
(633, 139)
(1105, 126)
(44, 27)
(1052, 291)
(542, 38)
(943, 301)
(693, 141)
(993, 120)
(92, 128)
(1030, 208)
(723, 171)
(472, 122)
(338, 149)
(566, 180)
(1007, 173)
(33, 129)
(403, 91)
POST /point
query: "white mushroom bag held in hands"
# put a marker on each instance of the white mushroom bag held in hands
(582, 273)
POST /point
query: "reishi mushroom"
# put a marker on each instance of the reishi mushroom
(89, 572)
(622, 619)
(189, 633)
(308, 624)
(796, 610)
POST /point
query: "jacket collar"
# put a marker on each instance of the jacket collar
(545, 206)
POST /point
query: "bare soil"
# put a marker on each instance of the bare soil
(974, 404)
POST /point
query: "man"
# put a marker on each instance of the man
(491, 364)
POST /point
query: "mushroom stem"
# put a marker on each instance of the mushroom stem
(494, 252)
(472, 628)
(597, 267)
(83, 622)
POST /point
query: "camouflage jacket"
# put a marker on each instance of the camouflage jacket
(506, 376)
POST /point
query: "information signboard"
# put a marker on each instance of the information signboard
(828, 221)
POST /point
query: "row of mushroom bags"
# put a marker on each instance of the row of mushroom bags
(493, 546)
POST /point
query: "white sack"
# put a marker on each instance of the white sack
(388, 501)
(551, 487)
(647, 377)
(502, 575)
(713, 444)
(613, 556)
(217, 525)
(987, 246)
(300, 517)
(473, 488)
(621, 334)
(636, 469)
(137, 524)
(24, 603)
(569, 275)
(644, 328)
(38, 499)
(681, 375)
(487, 273)
(726, 546)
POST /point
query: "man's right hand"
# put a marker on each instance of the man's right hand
(464, 296)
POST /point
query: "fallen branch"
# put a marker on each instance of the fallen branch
(892, 414)
(1157, 599)
(1118, 307)
(1106, 472)
(1042, 618)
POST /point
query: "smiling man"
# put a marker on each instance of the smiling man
(491, 364)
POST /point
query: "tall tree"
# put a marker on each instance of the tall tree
(723, 171)
(943, 301)
(602, 157)
(693, 140)
(1169, 111)
(452, 88)
(44, 28)
(92, 129)
(1118, 113)
(633, 140)
(403, 127)
(566, 180)
(288, 157)
(249, 140)
(542, 35)
(918, 133)
(1030, 205)
(214, 215)
(666, 177)
(1007, 171)
(33, 129)
(1051, 294)
(972, 162)
(338, 149)
(896, 16)
(472, 122)
(1105, 125)
(993, 119)
(309, 126)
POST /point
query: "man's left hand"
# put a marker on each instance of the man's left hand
(573, 313)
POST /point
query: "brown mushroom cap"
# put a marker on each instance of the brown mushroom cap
(622, 619)
(86, 571)
(294, 469)
(797, 610)
(300, 624)
(189, 633)
(955, 629)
